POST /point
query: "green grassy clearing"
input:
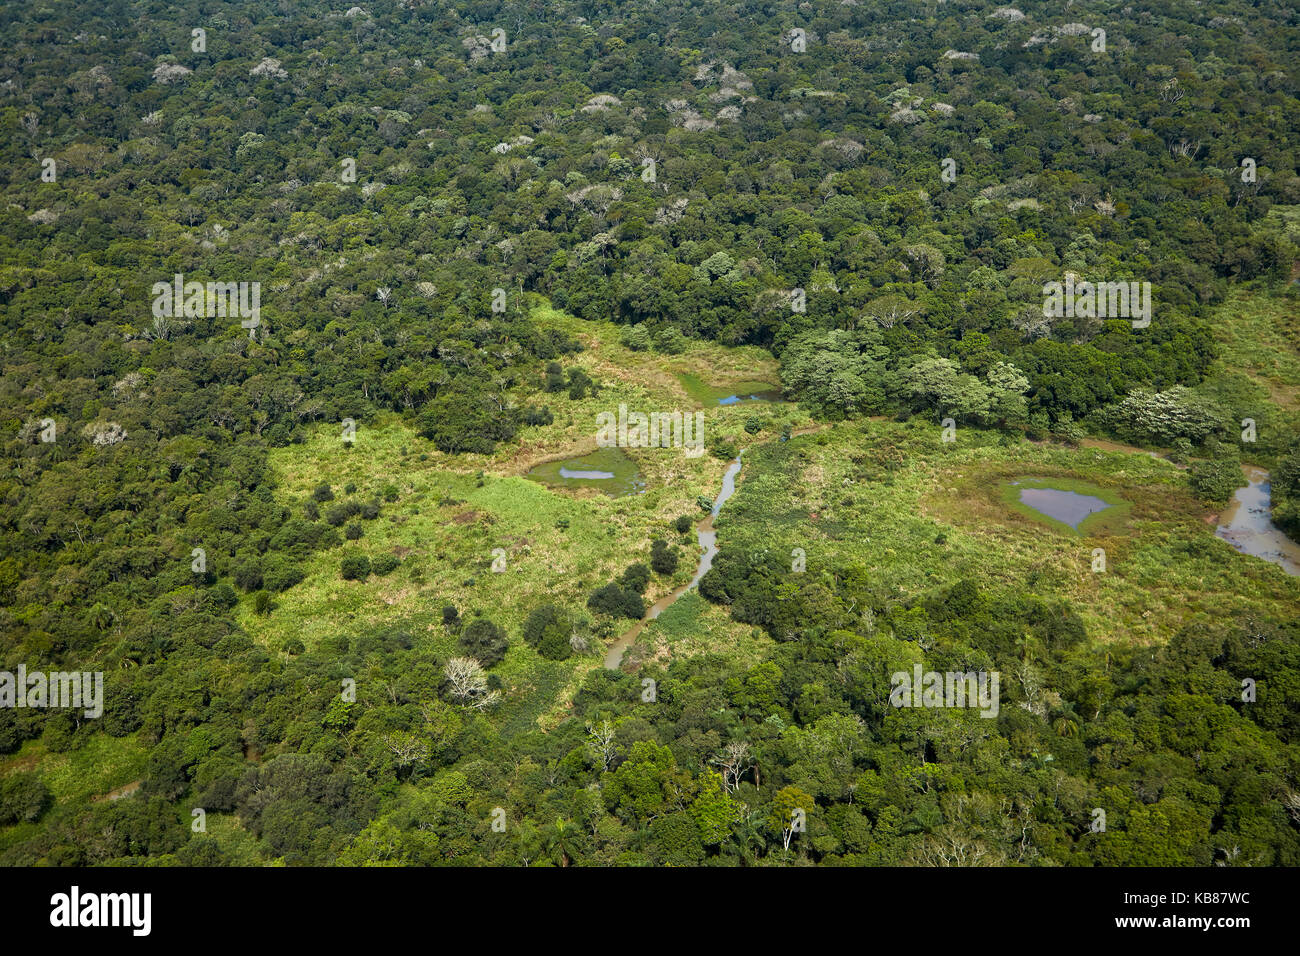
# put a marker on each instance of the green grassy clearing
(102, 765)
(917, 513)
(454, 512)
(1257, 373)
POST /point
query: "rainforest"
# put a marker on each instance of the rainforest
(319, 328)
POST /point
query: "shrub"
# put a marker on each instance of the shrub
(617, 602)
(224, 596)
(353, 532)
(636, 578)
(580, 383)
(450, 616)
(281, 573)
(724, 450)
(323, 492)
(663, 560)
(1215, 480)
(484, 641)
(683, 524)
(538, 416)
(670, 341)
(547, 629)
(23, 797)
(248, 576)
(636, 338)
(385, 564)
(355, 567)
(1285, 480)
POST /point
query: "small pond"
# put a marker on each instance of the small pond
(707, 394)
(765, 395)
(1070, 508)
(607, 469)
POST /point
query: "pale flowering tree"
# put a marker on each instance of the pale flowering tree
(469, 683)
(602, 743)
(734, 760)
(408, 750)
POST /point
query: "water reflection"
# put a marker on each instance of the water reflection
(608, 469)
(1247, 526)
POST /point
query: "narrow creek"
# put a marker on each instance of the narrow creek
(1247, 521)
(708, 540)
(1246, 524)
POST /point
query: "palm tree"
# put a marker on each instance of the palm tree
(100, 617)
(560, 840)
(1066, 726)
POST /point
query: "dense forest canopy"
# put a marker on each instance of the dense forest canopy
(875, 192)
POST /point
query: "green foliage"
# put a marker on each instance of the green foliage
(636, 578)
(663, 559)
(1215, 480)
(484, 641)
(355, 567)
(467, 417)
(1286, 494)
(23, 797)
(1164, 417)
(923, 298)
(617, 601)
(547, 629)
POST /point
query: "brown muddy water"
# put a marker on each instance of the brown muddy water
(1246, 524)
(708, 540)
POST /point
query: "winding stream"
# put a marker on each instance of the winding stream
(1246, 524)
(708, 540)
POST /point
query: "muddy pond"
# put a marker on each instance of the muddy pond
(1070, 506)
(1246, 524)
(609, 470)
(1067, 507)
(707, 394)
